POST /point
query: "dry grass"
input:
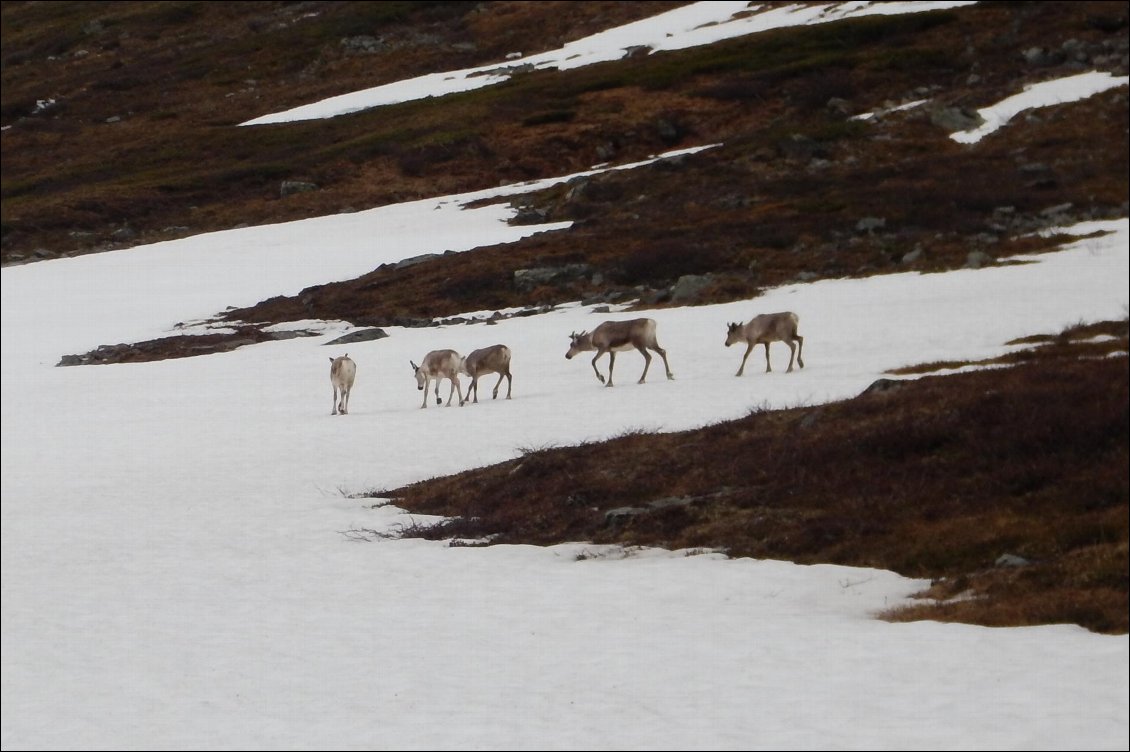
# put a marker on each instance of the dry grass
(141, 135)
(937, 478)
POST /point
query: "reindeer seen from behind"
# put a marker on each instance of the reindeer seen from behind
(342, 373)
(766, 328)
(614, 336)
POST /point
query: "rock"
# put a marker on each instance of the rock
(362, 335)
(882, 386)
(290, 187)
(689, 286)
(955, 118)
(870, 224)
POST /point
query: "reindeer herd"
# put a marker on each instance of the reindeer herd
(608, 338)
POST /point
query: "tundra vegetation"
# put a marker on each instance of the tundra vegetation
(119, 129)
(1007, 487)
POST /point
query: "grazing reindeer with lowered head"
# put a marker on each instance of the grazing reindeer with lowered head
(342, 372)
(438, 365)
(766, 328)
(613, 336)
(493, 359)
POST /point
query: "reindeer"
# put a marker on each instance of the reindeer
(766, 328)
(613, 336)
(438, 365)
(493, 359)
(342, 372)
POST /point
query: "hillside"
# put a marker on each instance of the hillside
(120, 129)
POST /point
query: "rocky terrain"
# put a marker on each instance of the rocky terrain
(119, 129)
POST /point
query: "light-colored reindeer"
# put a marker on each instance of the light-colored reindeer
(614, 336)
(766, 328)
(438, 365)
(342, 373)
(493, 359)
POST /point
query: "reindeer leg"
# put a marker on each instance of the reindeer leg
(334, 411)
(427, 383)
(611, 363)
(509, 383)
(792, 355)
(345, 402)
(646, 363)
(599, 375)
(800, 351)
(667, 368)
(459, 387)
(494, 395)
(767, 368)
(748, 350)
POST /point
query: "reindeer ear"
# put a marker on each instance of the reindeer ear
(414, 366)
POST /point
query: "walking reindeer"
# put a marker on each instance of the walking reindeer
(438, 365)
(766, 328)
(616, 336)
(493, 359)
(342, 373)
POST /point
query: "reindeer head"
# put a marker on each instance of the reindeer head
(733, 333)
(577, 343)
(419, 374)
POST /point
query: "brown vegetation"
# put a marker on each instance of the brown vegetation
(936, 477)
(120, 128)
